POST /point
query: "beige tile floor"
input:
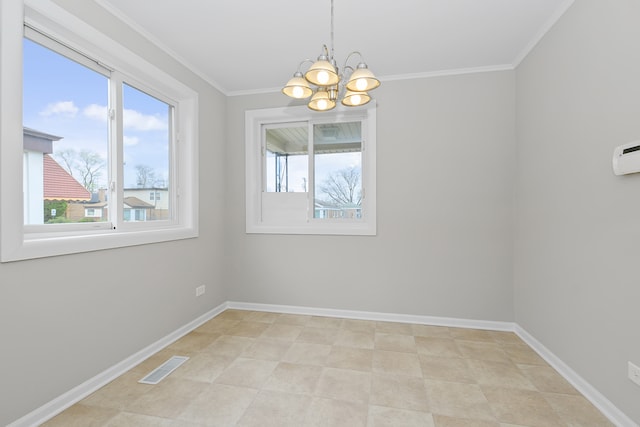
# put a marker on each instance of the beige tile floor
(264, 369)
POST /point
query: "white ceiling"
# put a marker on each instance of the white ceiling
(248, 46)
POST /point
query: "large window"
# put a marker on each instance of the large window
(307, 173)
(102, 143)
(69, 105)
(65, 132)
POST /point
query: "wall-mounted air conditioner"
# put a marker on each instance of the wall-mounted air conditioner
(626, 158)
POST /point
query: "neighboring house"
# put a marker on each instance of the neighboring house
(96, 209)
(93, 210)
(44, 179)
(59, 185)
(137, 210)
(35, 145)
(155, 197)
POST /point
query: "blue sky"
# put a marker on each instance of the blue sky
(64, 98)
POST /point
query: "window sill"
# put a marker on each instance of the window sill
(41, 245)
(316, 228)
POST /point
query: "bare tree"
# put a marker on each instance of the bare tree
(145, 176)
(90, 166)
(68, 159)
(87, 165)
(343, 187)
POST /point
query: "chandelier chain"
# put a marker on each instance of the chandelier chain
(332, 51)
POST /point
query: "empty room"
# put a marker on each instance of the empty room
(331, 213)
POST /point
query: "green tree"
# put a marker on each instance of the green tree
(60, 207)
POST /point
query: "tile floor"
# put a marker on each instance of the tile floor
(264, 369)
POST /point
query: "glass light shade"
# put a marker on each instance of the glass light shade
(322, 73)
(362, 79)
(353, 99)
(297, 87)
(321, 101)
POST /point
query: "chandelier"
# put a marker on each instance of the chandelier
(327, 83)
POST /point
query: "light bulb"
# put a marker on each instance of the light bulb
(322, 104)
(361, 84)
(323, 77)
(356, 99)
(298, 92)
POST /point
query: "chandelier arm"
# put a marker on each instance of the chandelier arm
(344, 76)
(331, 82)
(355, 52)
(345, 68)
(302, 63)
(325, 52)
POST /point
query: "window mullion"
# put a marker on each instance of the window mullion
(263, 158)
(311, 192)
(116, 191)
(174, 181)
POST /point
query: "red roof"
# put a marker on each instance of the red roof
(59, 185)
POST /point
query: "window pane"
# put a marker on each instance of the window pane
(287, 159)
(65, 138)
(147, 137)
(337, 149)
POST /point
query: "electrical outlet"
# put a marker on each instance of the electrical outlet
(634, 373)
(200, 290)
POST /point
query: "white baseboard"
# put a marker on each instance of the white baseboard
(78, 393)
(59, 404)
(383, 317)
(598, 400)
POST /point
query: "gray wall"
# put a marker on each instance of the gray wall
(446, 153)
(446, 168)
(65, 319)
(577, 251)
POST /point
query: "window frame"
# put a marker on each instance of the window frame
(20, 242)
(255, 120)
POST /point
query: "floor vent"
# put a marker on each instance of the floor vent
(161, 372)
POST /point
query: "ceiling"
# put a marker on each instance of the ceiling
(252, 46)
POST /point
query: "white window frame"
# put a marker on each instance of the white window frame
(18, 241)
(255, 120)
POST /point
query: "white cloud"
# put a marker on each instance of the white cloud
(63, 108)
(135, 120)
(130, 140)
(96, 112)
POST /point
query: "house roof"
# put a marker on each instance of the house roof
(95, 205)
(134, 202)
(38, 134)
(59, 185)
(34, 140)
